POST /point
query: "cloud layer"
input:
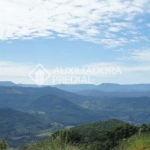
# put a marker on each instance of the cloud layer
(108, 22)
(19, 73)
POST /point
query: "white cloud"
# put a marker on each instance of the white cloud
(126, 69)
(87, 20)
(19, 73)
(142, 55)
(114, 29)
(13, 69)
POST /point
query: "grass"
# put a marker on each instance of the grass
(56, 144)
(137, 142)
(45, 134)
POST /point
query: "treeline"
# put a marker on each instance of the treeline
(104, 136)
(103, 141)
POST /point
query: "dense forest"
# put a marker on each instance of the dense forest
(104, 136)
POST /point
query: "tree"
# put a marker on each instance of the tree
(3, 145)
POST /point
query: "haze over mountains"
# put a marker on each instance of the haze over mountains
(49, 101)
(56, 107)
(102, 90)
(104, 87)
(68, 108)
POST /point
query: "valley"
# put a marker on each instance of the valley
(34, 114)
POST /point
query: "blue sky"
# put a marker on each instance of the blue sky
(94, 33)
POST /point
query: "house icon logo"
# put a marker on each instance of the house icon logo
(39, 75)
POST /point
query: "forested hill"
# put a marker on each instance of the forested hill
(109, 135)
(19, 128)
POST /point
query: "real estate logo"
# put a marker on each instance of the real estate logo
(71, 75)
(39, 75)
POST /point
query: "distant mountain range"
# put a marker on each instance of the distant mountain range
(9, 83)
(104, 87)
(72, 109)
(26, 112)
(49, 102)
(97, 93)
(103, 90)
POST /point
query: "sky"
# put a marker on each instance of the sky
(65, 37)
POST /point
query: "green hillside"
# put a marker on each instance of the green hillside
(95, 128)
(108, 135)
(105, 136)
(36, 113)
(57, 105)
(63, 111)
(131, 109)
(137, 142)
(18, 128)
